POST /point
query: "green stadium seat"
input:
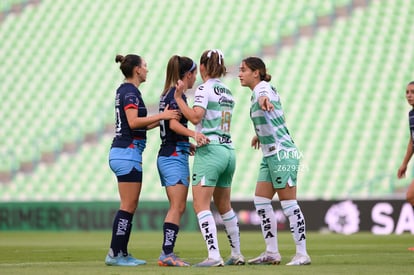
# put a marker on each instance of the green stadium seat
(341, 89)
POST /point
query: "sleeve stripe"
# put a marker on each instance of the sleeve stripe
(129, 106)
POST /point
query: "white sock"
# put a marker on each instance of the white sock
(209, 230)
(297, 224)
(268, 223)
(231, 224)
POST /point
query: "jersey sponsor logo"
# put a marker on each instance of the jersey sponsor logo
(224, 140)
(225, 101)
(117, 101)
(263, 93)
(198, 98)
(218, 90)
(162, 106)
(131, 98)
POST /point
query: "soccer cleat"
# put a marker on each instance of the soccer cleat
(411, 248)
(235, 260)
(300, 259)
(266, 258)
(122, 260)
(171, 260)
(210, 263)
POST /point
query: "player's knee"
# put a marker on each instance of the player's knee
(180, 209)
(129, 206)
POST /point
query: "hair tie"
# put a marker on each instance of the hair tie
(220, 54)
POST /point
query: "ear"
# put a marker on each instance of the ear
(188, 75)
(256, 74)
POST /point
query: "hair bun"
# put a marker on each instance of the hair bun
(119, 58)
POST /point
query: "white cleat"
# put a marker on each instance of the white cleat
(210, 263)
(266, 258)
(300, 259)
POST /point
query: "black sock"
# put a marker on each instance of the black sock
(121, 231)
(170, 235)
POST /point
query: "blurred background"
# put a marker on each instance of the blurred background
(340, 66)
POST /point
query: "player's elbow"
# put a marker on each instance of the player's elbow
(195, 121)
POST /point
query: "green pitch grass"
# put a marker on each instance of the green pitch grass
(84, 253)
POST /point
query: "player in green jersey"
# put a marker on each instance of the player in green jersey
(279, 167)
(214, 159)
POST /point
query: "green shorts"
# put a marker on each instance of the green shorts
(214, 165)
(279, 169)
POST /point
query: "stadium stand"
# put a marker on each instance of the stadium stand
(342, 87)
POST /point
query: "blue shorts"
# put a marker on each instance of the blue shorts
(174, 169)
(126, 163)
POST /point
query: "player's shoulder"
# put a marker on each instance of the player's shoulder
(209, 84)
(263, 88)
(127, 88)
(169, 96)
(263, 85)
(202, 87)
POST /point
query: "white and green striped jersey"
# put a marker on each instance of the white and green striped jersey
(217, 100)
(270, 126)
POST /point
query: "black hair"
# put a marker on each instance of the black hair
(255, 63)
(128, 63)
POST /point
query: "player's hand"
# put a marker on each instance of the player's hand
(265, 104)
(171, 114)
(255, 142)
(201, 139)
(179, 88)
(401, 171)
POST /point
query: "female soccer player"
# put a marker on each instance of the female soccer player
(214, 160)
(409, 94)
(279, 166)
(172, 161)
(125, 155)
